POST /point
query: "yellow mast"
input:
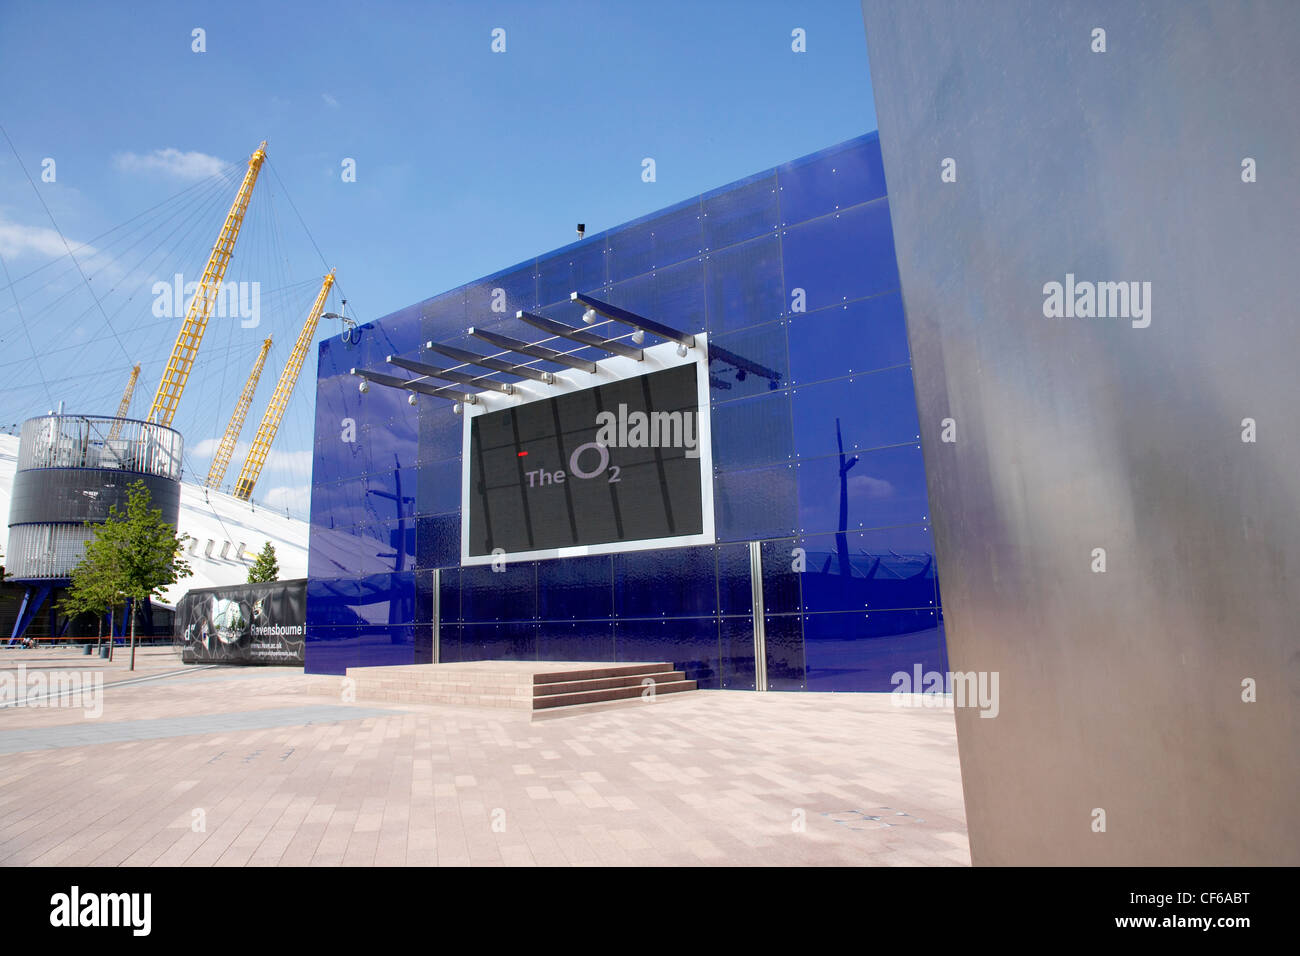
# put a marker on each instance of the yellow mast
(125, 404)
(227, 447)
(186, 348)
(280, 399)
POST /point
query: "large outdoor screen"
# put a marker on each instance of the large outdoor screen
(618, 463)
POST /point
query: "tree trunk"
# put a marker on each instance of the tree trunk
(99, 638)
(132, 635)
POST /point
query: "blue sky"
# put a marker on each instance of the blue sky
(467, 161)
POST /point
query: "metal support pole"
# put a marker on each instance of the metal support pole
(760, 617)
(437, 613)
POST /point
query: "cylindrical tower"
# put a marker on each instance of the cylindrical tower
(71, 470)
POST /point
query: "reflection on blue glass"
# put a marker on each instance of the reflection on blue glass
(884, 487)
(782, 566)
(439, 487)
(576, 641)
(440, 431)
(860, 336)
(331, 650)
(842, 257)
(385, 646)
(744, 284)
(502, 294)
(672, 295)
(763, 346)
(863, 651)
(882, 569)
(858, 413)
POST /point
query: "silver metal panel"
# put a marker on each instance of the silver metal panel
(1119, 690)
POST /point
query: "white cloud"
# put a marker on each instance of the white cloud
(171, 162)
(869, 487)
(17, 239)
(330, 101)
(295, 498)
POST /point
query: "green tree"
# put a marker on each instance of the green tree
(138, 552)
(265, 568)
(94, 590)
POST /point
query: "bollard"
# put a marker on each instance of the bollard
(103, 652)
(86, 649)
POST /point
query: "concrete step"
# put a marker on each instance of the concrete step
(517, 685)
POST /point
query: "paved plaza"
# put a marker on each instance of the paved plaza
(203, 766)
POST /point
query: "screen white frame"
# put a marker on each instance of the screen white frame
(613, 369)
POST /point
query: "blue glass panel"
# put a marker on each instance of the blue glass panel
(376, 598)
(871, 410)
(736, 637)
(654, 243)
(833, 179)
(334, 459)
(781, 593)
(671, 582)
(845, 256)
(331, 650)
(334, 357)
(860, 652)
(449, 601)
(386, 646)
(575, 588)
(888, 568)
(690, 644)
(423, 598)
(443, 316)
(784, 642)
(759, 503)
(673, 296)
(764, 345)
(449, 644)
(513, 641)
(886, 487)
(575, 641)
(518, 291)
(440, 431)
(744, 284)
(741, 211)
(387, 546)
(392, 494)
(752, 432)
(859, 336)
(396, 334)
(439, 487)
(437, 540)
(734, 593)
(391, 444)
(331, 601)
(506, 595)
(339, 504)
(578, 268)
(331, 551)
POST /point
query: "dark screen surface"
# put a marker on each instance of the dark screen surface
(539, 478)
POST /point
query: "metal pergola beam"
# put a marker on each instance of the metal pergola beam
(441, 391)
(580, 336)
(433, 371)
(634, 320)
(535, 351)
(487, 361)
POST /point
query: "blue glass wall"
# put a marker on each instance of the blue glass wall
(792, 269)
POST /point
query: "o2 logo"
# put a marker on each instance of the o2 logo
(541, 477)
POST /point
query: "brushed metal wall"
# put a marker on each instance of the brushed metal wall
(1120, 690)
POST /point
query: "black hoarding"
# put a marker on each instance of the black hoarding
(243, 624)
(615, 463)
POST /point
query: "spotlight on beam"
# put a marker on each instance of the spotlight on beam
(639, 336)
(681, 351)
(363, 386)
(456, 408)
(410, 399)
(589, 316)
